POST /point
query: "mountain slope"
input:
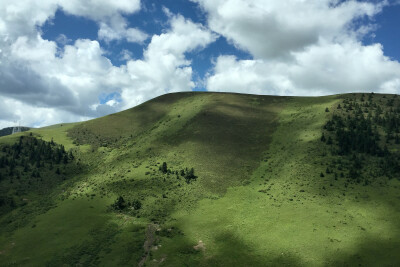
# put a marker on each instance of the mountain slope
(261, 193)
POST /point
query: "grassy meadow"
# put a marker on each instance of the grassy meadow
(262, 196)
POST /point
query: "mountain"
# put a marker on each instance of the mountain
(208, 179)
(9, 130)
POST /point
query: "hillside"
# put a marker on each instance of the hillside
(208, 179)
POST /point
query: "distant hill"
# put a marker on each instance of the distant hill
(8, 130)
(208, 179)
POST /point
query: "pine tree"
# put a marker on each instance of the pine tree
(164, 168)
(190, 175)
(329, 142)
(119, 204)
(323, 139)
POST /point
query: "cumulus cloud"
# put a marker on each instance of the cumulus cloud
(108, 13)
(321, 69)
(100, 9)
(63, 39)
(310, 47)
(116, 29)
(268, 28)
(33, 72)
(42, 83)
(17, 112)
(164, 67)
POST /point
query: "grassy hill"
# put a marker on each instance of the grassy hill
(208, 179)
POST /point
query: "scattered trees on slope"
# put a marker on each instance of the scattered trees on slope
(28, 166)
(370, 128)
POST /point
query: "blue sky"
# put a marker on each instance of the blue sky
(69, 61)
(388, 31)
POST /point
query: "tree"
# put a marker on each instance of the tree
(190, 176)
(65, 160)
(119, 204)
(323, 138)
(330, 142)
(136, 204)
(164, 167)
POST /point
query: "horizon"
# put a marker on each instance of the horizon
(75, 61)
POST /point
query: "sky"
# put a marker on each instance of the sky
(66, 61)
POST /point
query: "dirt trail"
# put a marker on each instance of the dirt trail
(148, 243)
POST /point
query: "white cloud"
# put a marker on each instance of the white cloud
(164, 67)
(113, 26)
(100, 9)
(309, 47)
(269, 28)
(43, 83)
(63, 39)
(32, 115)
(321, 69)
(20, 18)
(125, 55)
(117, 29)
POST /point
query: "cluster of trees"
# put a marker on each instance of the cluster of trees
(353, 133)
(186, 173)
(30, 155)
(120, 204)
(363, 126)
(29, 166)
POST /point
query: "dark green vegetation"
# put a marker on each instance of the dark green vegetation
(207, 179)
(29, 166)
(9, 130)
(360, 133)
(30, 169)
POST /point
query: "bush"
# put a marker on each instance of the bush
(164, 168)
(119, 204)
(136, 204)
(190, 176)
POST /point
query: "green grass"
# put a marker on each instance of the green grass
(285, 226)
(258, 199)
